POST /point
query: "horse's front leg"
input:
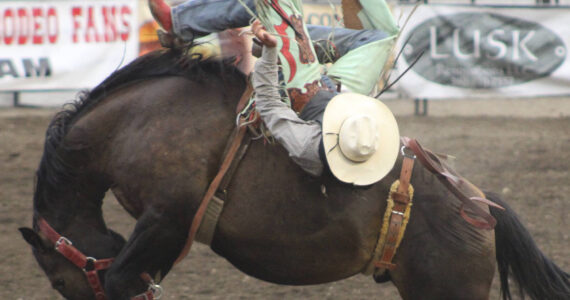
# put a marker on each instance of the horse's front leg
(152, 249)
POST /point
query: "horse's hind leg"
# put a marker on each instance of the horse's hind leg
(152, 248)
(430, 271)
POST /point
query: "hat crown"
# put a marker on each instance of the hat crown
(358, 137)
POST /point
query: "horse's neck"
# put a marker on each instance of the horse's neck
(70, 206)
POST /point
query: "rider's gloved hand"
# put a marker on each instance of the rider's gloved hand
(260, 33)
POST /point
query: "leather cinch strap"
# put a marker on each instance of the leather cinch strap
(230, 155)
(401, 200)
(210, 192)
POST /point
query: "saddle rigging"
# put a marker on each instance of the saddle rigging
(205, 220)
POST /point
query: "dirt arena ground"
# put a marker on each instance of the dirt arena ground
(520, 148)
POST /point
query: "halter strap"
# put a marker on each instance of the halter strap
(90, 265)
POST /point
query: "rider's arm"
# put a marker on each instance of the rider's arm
(300, 138)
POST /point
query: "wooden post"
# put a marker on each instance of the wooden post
(16, 98)
(424, 110)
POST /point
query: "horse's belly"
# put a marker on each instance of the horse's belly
(284, 226)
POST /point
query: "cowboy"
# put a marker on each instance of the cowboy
(346, 48)
(354, 135)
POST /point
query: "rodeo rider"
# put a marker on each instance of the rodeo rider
(356, 136)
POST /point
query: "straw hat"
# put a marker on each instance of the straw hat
(360, 137)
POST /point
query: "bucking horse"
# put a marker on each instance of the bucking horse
(155, 133)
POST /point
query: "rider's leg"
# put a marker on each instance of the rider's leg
(374, 48)
(369, 14)
(359, 77)
(195, 18)
(331, 43)
(201, 17)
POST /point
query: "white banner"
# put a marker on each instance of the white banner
(472, 51)
(48, 45)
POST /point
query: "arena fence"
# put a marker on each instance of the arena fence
(63, 45)
(18, 93)
(485, 49)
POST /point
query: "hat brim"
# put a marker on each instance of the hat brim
(382, 161)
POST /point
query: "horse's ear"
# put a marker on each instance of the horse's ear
(33, 239)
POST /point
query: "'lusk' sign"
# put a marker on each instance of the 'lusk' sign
(64, 44)
(487, 51)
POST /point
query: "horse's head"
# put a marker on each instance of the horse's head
(74, 264)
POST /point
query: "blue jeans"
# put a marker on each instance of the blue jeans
(196, 18)
(201, 17)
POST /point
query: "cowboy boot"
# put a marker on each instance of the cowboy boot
(374, 44)
(350, 10)
(369, 14)
(161, 13)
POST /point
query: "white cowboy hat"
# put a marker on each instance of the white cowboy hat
(360, 137)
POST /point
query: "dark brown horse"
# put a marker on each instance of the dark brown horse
(154, 133)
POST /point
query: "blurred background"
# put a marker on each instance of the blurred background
(492, 88)
(487, 49)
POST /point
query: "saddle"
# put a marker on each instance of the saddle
(206, 217)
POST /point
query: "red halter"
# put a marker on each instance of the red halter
(90, 265)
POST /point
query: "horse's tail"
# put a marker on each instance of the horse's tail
(518, 255)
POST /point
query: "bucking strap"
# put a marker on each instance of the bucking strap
(454, 183)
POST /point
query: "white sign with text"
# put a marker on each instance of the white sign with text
(471, 51)
(47, 45)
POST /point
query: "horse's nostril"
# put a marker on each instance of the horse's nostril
(58, 284)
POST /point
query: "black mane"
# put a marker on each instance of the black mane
(54, 172)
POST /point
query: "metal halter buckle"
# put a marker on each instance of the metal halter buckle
(155, 289)
(62, 240)
(408, 154)
(397, 212)
(89, 264)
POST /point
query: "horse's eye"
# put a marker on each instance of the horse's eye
(58, 284)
